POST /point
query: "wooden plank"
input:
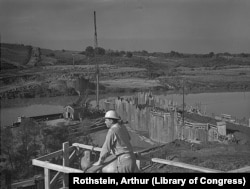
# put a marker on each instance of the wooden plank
(241, 170)
(54, 179)
(146, 167)
(65, 162)
(184, 165)
(55, 167)
(47, 178)
(28, 182)
(87, 147)
(54, 154)
(72, 156)
(150, 149)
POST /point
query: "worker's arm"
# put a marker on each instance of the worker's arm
(107, 146)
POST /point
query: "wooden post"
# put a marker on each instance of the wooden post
(138, 163)
(65, 162)
(47, 178)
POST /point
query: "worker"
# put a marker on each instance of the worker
(118, 143)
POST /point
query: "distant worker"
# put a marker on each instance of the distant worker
(118, 143)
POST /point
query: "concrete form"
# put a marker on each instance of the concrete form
(159, 117)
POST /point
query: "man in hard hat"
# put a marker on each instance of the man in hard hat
(117, 142)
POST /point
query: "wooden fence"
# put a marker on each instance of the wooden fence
(158, 117)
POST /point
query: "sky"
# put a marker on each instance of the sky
(186, 26)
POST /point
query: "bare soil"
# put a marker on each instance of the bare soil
(217, 156)
(220, 156)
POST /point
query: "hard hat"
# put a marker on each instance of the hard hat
(111, 114)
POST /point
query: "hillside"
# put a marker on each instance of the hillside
(32, 71)
(14, 55)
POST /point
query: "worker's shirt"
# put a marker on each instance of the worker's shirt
(117, 142)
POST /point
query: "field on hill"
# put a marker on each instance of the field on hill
(30, 70)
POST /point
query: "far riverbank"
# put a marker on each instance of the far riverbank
(236, 104)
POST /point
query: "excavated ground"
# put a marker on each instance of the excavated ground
(222, 156)
(214, 155)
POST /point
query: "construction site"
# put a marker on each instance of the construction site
(176, 143)
(167, 137)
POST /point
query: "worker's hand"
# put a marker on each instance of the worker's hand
(97, 163)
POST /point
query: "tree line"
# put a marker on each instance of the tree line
(99, 51)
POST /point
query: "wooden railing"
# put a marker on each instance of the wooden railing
(69, 155)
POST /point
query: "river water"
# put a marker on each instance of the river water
(236, 104)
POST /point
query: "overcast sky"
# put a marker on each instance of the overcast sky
(187, 26)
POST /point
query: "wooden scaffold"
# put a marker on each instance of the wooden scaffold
(68, 155)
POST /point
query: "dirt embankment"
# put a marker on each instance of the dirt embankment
(58, 80)
(217, 156)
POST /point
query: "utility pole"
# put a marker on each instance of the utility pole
(97, 66)
(183, 103)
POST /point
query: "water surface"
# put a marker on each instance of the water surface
(236, 104)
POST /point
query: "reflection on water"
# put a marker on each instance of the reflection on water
(9, 115)
(25, 102)
(236, 104)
